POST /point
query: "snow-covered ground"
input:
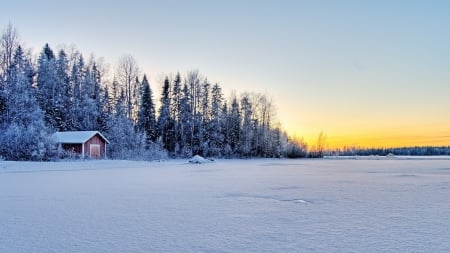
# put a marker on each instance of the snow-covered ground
(329, 205)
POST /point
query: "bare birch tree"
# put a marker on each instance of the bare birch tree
(127, 73)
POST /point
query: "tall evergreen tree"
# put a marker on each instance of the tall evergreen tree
(126, 143)
(64, 94)
(175, 111)
(204, 133)
(165, 124)
(216, 146)
(50, 95)
(76, 80)
(247, 127)
(146, 115)
(224, 126)
(88, 105)
(106, 110)
(186, 127)
(234, 126)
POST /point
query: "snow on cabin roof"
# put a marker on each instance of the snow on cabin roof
(76, 137)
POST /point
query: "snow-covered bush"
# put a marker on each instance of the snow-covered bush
(67, 154)
(155, 151)
(296, 149)
(27, 143)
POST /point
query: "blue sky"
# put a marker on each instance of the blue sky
(364, 72)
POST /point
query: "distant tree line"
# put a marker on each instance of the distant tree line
(62, 91)
(405, 151)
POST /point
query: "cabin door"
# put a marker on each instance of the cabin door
(94, 150)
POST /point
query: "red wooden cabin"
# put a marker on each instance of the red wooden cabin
(86, 143)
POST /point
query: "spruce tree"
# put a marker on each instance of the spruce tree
(247, 127)
(89, 111)
(234, 126)
(49, 92)
(164, 124)
(215, 124)
(186, 123)
(146, 114)
(175, 112)
(76, 81)
(64, 94)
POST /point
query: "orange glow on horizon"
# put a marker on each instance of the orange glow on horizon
(387, 141)
(377, 140)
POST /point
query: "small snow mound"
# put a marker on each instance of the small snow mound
(301, 201)
(199, 159)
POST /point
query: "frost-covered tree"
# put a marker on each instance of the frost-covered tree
(204, 134)
(9, 41)
(234, 126)
(24, 134)
(90, 104)
(50, 92)
(247, 127)
(175, 109)
(127, 73)
(216, 124)
(146, 115)
(126, 143)
(106, 111)
(65, 92)
(77, 77)
(165, 122)
(224, 125)
(185, 122)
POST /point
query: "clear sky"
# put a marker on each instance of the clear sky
(367, 73)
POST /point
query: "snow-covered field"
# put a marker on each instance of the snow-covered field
(329, 205)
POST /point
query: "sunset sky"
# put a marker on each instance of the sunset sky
(366, 73)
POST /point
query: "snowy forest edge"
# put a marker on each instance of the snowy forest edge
(64, 92)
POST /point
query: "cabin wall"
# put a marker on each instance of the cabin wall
(75, 148)
(96, 139)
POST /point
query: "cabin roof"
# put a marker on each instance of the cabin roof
(77, 137)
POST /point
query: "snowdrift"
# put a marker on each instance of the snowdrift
(199, 159)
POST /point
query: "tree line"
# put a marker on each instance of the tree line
(401, 151)
(62, 91)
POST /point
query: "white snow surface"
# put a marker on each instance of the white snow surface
(261, 205)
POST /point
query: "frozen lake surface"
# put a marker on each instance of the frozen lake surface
(329, 205)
